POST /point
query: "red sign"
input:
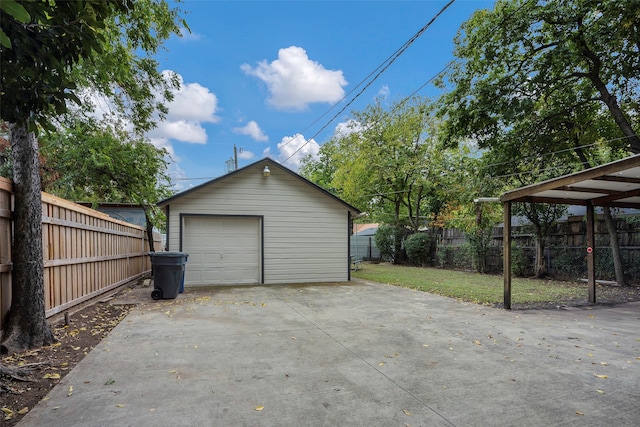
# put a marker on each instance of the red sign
(589, 249)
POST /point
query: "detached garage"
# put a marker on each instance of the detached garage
(261, 224)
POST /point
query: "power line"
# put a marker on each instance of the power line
(552, 153)
(401, 103)
(383, 67)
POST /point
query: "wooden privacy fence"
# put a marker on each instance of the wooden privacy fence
(86, 253)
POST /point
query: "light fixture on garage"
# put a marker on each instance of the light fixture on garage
(266, 171)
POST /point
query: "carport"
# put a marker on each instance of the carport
(615, 184)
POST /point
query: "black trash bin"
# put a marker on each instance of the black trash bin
(168, 274)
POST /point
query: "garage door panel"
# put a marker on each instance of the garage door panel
(222, 250)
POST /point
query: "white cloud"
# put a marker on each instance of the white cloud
(164, 143)
(191, 106)
(253, 130)
(181, 130)
(187, 35)
(383, 92)
(192, 102)
(293, 149)
(246, 155)
(294, 81)
(347, 128)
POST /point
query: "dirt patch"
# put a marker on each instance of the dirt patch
(50, 364)
(605, 295)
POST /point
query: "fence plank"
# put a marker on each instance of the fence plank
(86, 252)
(6, 189)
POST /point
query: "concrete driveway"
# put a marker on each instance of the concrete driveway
(356, 354)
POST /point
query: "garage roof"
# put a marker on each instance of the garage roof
(260, 163)
(615, 184)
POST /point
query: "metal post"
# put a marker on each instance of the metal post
(235, 158)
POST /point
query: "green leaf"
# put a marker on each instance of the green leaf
(16, 10)
(4, 40)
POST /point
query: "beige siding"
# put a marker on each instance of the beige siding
(305, 231)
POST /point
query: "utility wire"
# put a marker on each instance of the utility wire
(553, 153)
(401, 103)
(386, 64)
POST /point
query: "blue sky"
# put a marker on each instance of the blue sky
(261, 74)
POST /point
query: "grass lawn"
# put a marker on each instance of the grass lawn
(473, 287)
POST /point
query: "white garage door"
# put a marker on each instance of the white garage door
(222, 251)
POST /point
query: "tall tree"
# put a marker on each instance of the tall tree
(50, 50)
(471, 181)
(385, 164)
(542, 77)
(527, 51)
(391, 165)
(96, 161)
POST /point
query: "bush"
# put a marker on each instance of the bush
(519, 260)
(389, 239)
(418, 248)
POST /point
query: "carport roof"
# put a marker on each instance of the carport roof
(615, 184)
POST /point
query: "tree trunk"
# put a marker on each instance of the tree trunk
(618, 116)
(397, 239)
(26, 322)
(615, 246)
(607, 97)
(541, 264)
(149, 224)
(611, 229)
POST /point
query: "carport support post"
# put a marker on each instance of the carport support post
(591, 252)
(506, 266)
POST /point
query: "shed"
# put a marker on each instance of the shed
(261, 224)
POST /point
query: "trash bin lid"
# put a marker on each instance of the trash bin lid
(167, 254)
(168, 257)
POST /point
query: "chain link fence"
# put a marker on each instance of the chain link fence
(565, 263)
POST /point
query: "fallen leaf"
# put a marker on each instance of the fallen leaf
(477, 342)
(601, 376)
(8, 413)
(70, 391)
(54, 376)
(425, 345)
(600, 391)
(406, 412)
(23, 410)
(119, 405)
(604, 363)
(259, 408)
(579, 413)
